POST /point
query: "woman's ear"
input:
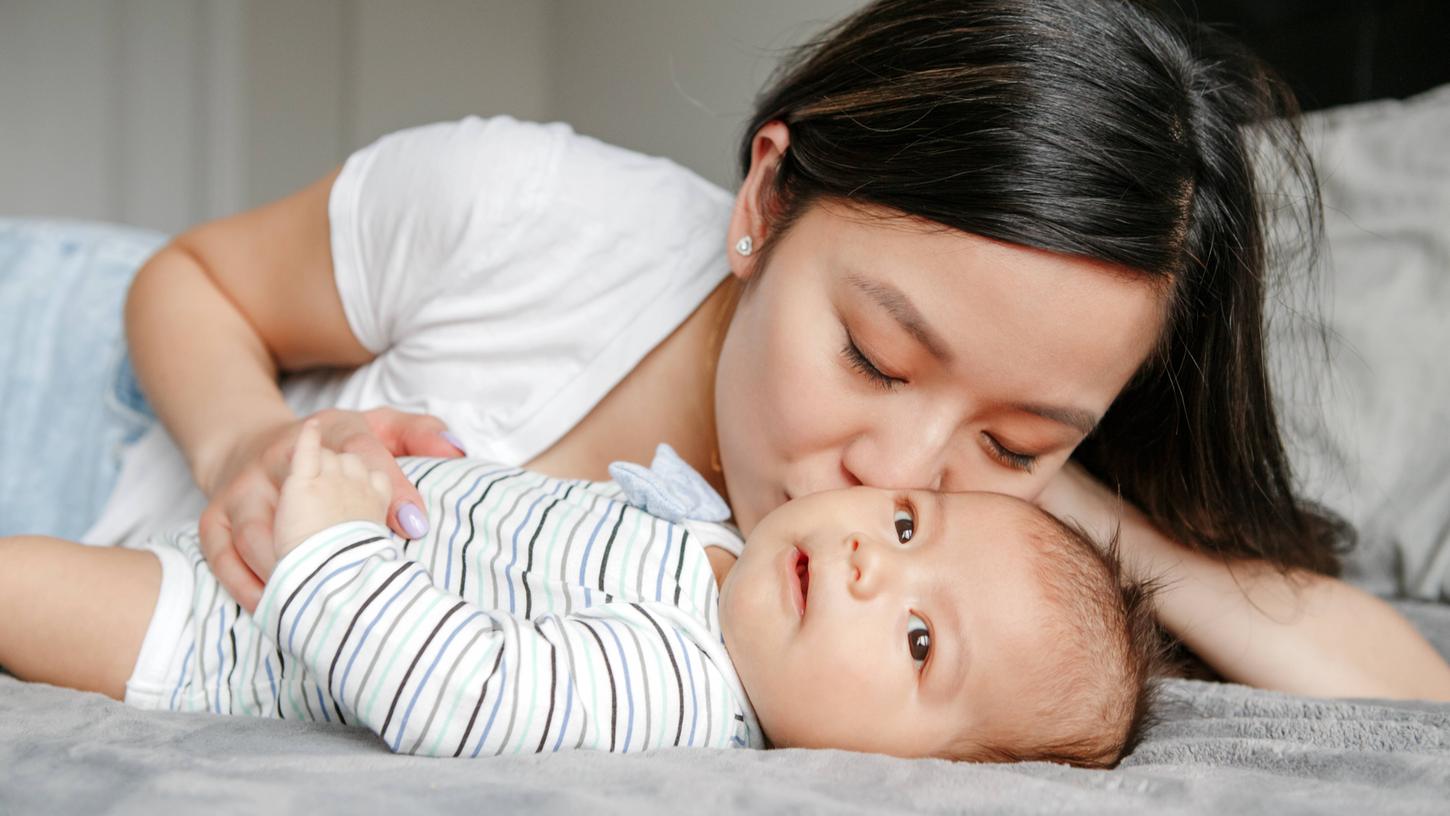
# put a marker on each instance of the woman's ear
(748, 219)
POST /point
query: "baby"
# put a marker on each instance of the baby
(543, 614)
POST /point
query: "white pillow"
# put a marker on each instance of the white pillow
(1370, 436)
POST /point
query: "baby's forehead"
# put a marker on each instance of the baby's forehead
(981, 513)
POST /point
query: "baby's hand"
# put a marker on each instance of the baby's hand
(324, 488)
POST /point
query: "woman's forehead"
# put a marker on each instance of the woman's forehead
(1016, 314)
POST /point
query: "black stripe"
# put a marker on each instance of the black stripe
(419, 482)
(553, 684)
(332, 669)
(613, 694)
(382, 732)
(680, 567)
(310, 576)
(479, 705)
(232, 633)
(472, 531)
(679, 680)
(528, 594)
(604, 561)
(281, 682)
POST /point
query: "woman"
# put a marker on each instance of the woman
(973, 240)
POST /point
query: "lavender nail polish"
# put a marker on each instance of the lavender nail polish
(454, 441)
(414, 525)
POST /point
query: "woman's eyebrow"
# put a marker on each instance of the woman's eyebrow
(900, 307)
(1079, 418)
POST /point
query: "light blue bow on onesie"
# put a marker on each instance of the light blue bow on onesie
(669, 489)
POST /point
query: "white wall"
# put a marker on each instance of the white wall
(163, 113)
(676, 77)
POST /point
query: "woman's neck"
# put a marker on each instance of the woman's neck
(668, 397)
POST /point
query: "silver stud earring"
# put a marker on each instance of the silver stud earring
(744, 245)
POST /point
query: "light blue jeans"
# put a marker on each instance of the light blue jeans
(69, 401)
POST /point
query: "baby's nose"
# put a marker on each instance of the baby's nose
(865, 568)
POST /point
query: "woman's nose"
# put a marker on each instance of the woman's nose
(894, 460)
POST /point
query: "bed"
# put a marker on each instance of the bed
(1367, 413)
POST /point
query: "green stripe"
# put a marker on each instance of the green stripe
(538, 675)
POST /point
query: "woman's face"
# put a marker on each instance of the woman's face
(886, 352)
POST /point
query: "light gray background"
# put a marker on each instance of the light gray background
(164, 113)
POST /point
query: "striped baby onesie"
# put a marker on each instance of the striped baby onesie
(538, 614)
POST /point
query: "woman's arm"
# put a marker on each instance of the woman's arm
(214, 317)
(1301, 632)
(211, 321)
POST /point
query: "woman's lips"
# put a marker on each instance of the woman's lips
(800, 582)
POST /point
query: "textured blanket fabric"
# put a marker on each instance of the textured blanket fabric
(1219, 749)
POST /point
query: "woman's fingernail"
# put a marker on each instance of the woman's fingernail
(414, 525)
(454, 441)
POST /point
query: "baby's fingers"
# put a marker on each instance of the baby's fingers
(306, 452)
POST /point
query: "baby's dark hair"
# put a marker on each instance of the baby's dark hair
(1100, 695)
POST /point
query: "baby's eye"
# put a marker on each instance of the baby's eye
(918, 640)
(905, 521)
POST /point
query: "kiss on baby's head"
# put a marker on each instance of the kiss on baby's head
(967, 626)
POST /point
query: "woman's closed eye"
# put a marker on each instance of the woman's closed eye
(863, 364)
(918, 640)
(1005, 455)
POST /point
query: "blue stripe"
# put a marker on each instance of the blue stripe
(503, 669)
(418, 690)
(584, 562)
(628, 687)
(271, 679)
(317, 587)
(322, 704)
(362, 639)
(508, 570)
(694, 700)
(664, 559)
(568, 691)
(185, 663)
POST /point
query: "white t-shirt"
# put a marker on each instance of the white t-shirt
(507, 274)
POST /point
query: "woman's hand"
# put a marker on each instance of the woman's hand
(1291, 631)
(237, 526)
(1072, 494)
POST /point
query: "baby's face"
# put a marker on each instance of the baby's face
(889, 621)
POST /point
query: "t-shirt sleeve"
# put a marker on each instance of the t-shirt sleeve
(410, 211)
(509, 274)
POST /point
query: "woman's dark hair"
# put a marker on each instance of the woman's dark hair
(1105, 129)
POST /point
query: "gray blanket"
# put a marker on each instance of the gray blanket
(1219, 748)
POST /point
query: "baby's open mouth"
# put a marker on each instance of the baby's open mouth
(803, 576)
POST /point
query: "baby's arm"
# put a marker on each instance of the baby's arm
(435, 675)
(72, 615)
